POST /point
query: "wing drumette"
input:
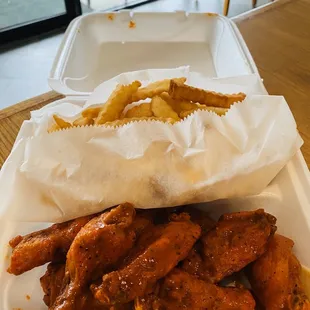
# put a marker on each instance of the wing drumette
(275, 277)
(41, 247)
(181, 290)
(52, 282)
(97, 247)
(171, 246)
(237, 240)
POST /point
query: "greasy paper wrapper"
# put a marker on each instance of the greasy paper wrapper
(71, 173)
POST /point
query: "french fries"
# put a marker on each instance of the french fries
(180, 91)
(142, 110)
(218, 111)
(171, 101)
(116, 103)
(92, 112)
(155, 88)
(124, 121)
(83, 121)
(161, 108)
(178, 105)
(62, 124)
(185, 108)
(53, 128)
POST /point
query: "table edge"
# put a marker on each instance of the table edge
(24, 105)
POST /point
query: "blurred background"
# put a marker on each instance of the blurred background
(21, 14)
(31, 31)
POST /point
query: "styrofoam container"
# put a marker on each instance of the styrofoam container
(99, 46)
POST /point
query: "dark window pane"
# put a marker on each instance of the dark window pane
(14, 12)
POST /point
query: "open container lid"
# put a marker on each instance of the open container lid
(98, 46)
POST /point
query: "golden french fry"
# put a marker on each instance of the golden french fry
(116, 103)
(187, 105)
(142, 110)
(184, 114)
(61, 123)
(181, 91)
(218, 111)
(121, 122)
(83, 121)
(161, 108)
(53, 128)
(178, 105)
(92, 112)
(173, 103)
(154, 89)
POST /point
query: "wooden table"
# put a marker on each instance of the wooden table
(278, 37)
(12, 117)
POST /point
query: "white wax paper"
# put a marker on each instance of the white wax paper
(71, 173)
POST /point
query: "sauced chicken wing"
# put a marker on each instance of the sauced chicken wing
(97, 247)
(181, 290)
(160, 215)
(237, 240)
(141, 224)
(173, 244)
(201, 218)
(41, 247)
(52, 282)
(146, 239)
(275, 277)
(193, 263)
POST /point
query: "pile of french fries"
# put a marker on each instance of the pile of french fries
(171, 101)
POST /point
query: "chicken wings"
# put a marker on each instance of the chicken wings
(51, 284)
(237, 240)
(52, 281)
(162, 259)
(173, 245)
(181, 290)
(41, 247)
(153, 232)
(275, 277)
(201, 218)
(97, 247)
(193, 263)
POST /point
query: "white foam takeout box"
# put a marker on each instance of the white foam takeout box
(99, 46)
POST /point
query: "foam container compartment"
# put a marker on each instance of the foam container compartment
(99, 46)
(93, 50)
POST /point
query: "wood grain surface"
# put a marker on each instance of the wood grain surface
(278, 37)
(12, 117)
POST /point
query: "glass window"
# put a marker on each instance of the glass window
(15, 12)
